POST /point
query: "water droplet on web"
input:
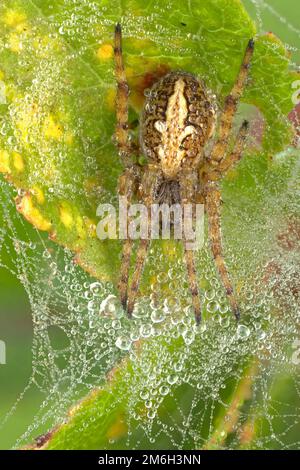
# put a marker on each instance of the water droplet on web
(110, 306)
(151, 415)
(172, 379)
(243, 332)
(135, 335)
(123, 343)
(92, 305)
(212, 306)
(157, 316)
(188, 337)
(224, 321)
(164, 390)
(144, 395)
(140, 310)
(95, 288)
(47, 254)
(210, 294)
(260, 335)
(146, 330)
(116, 324)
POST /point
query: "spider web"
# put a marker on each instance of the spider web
(186, 390)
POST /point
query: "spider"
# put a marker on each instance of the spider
(177, 122)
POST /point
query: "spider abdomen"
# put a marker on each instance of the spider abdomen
(177, 121)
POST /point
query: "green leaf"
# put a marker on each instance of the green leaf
(56, 64)
(56, 148)
(102, 419)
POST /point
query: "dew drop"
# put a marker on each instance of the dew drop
(243, 332)
(109, 306)
(157, 316)
(95, 288)
(164, 390)
(123, 343)
(188, 337)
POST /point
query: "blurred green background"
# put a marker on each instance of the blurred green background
(280, 17)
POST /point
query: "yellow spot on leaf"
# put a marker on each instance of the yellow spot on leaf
(18, 162)
(23, 28)
(27, 119)
(117, 430)
(52, 129)
(1, 75)
(4, 162)
(38, 194)
(15, 43)
(105, 52)
(32, 214)
(13, 18)
(16, 20)
(66, 215)
(143, 44)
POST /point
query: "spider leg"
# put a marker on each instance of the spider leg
(148, 185)
(140, 262)
(215, 173)
(232, 158)
(130, 176)
(124, 275)
(121, 132)
(187, 188)
(213, 204)
(192, 279)
(127, 183)
(231, 102)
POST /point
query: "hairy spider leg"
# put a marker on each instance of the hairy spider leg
(219, 163)
(230, 107)
(130, 177)
(139, 267)
(213, 205)
(187, 195)
(127, 183)
(235, 156)
(149, 184)
(215, 173)
(122, 133)
(211, 176)
(124, 274)
(192, 279)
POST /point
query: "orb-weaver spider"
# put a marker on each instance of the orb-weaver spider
(177, 122)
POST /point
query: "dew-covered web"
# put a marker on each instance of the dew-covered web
(219, 385)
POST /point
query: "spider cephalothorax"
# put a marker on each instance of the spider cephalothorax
(177, 122)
